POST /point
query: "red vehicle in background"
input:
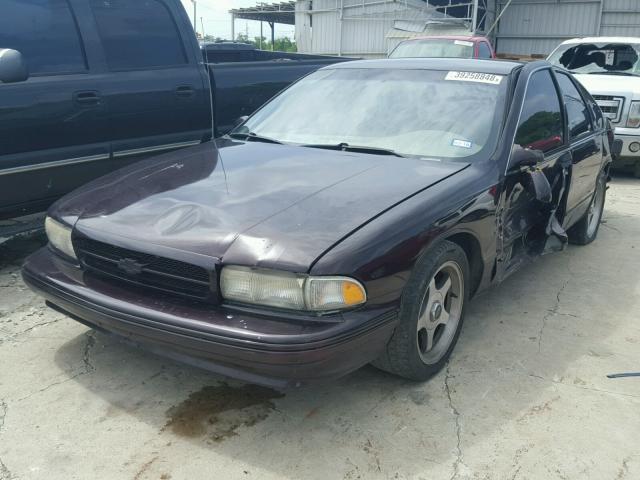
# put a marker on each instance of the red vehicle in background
(444, 46)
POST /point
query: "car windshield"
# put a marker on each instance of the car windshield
(603, 58)
(422, 113)
(432, 48)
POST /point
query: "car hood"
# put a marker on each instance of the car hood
(248, 203)
(615, 85)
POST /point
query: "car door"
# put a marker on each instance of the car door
(53, 126)
(522, 220)
(156, 95)
(586, 148)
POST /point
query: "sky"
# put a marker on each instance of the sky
(217, 21)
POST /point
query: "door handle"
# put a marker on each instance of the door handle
(87, 98)
(185, 91)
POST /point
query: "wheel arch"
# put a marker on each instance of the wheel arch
(471, 247)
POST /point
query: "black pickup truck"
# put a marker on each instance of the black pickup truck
(88, 86)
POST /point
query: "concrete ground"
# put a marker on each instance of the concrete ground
(525, 395)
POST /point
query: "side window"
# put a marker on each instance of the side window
(540, 126)
(138, 34)
(577, 112)
(483, 50)
(45, 32)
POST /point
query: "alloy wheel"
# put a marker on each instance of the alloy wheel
(440, 312)
(595, 209)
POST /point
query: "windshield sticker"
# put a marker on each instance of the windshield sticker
(461, 143)
(463, 42)
(609, 57)
(474, 77)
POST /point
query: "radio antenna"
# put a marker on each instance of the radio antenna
(211, 83)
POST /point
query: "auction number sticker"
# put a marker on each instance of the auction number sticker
(474, 77)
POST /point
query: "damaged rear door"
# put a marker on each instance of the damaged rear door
(586, 141)
(537, 178)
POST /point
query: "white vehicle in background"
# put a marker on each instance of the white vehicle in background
(609, 68)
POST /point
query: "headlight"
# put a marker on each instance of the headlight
(634, 115)
(59, 236)
(289, 290)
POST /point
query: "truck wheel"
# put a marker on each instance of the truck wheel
(431, 314)
(585, 231)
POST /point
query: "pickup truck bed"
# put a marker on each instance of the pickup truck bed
(113, 83)
(240, 88)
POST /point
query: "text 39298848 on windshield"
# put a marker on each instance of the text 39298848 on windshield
(348, 221)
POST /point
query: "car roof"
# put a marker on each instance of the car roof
(475, 38)
(499, 67)
(602, 40)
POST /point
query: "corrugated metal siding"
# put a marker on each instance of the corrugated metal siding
(538, 26)
(364, 29)
(620, 18)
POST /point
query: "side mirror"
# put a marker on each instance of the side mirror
(12, 66)
(240, 121)
(535, 182)
(525, 157)
(616, 148)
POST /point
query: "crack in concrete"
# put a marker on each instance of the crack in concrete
(91, 341)
(5, 473)
(456, 416)
(86, 361)
(624, 469)
(51, 385)
(13, 336)
(610, 227)
(550, 313)
(515, 473)
(3, 413)
(598, 390)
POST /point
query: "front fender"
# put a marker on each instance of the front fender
(382, 254)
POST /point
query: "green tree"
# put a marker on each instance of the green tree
(284, 44)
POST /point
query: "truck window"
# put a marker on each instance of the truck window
(540, 126)
(577, 114)
(483, 50)
(138, 34)
(45, 32)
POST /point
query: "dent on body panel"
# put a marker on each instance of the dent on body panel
(117, 190)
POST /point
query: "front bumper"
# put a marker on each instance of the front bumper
(628, 136)
(246, 346)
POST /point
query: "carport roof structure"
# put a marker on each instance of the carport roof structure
(284, 12)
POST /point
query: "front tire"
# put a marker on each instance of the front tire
(431, 314)
(586, 230)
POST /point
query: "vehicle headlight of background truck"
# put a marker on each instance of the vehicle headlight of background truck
(634, 115)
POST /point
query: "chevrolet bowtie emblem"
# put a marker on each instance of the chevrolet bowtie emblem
(130, 266)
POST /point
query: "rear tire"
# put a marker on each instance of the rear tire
(431, 314)
(586, 230)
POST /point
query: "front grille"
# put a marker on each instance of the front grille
(611, 106)
(143, 269)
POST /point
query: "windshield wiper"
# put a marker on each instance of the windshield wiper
(611, 72)
(345, 147)
(253, 137)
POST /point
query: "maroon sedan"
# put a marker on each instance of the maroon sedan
(444, 46)
(347, 221)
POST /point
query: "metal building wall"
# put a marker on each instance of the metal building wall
(620, 18)
(355, 28)
(538, 26)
